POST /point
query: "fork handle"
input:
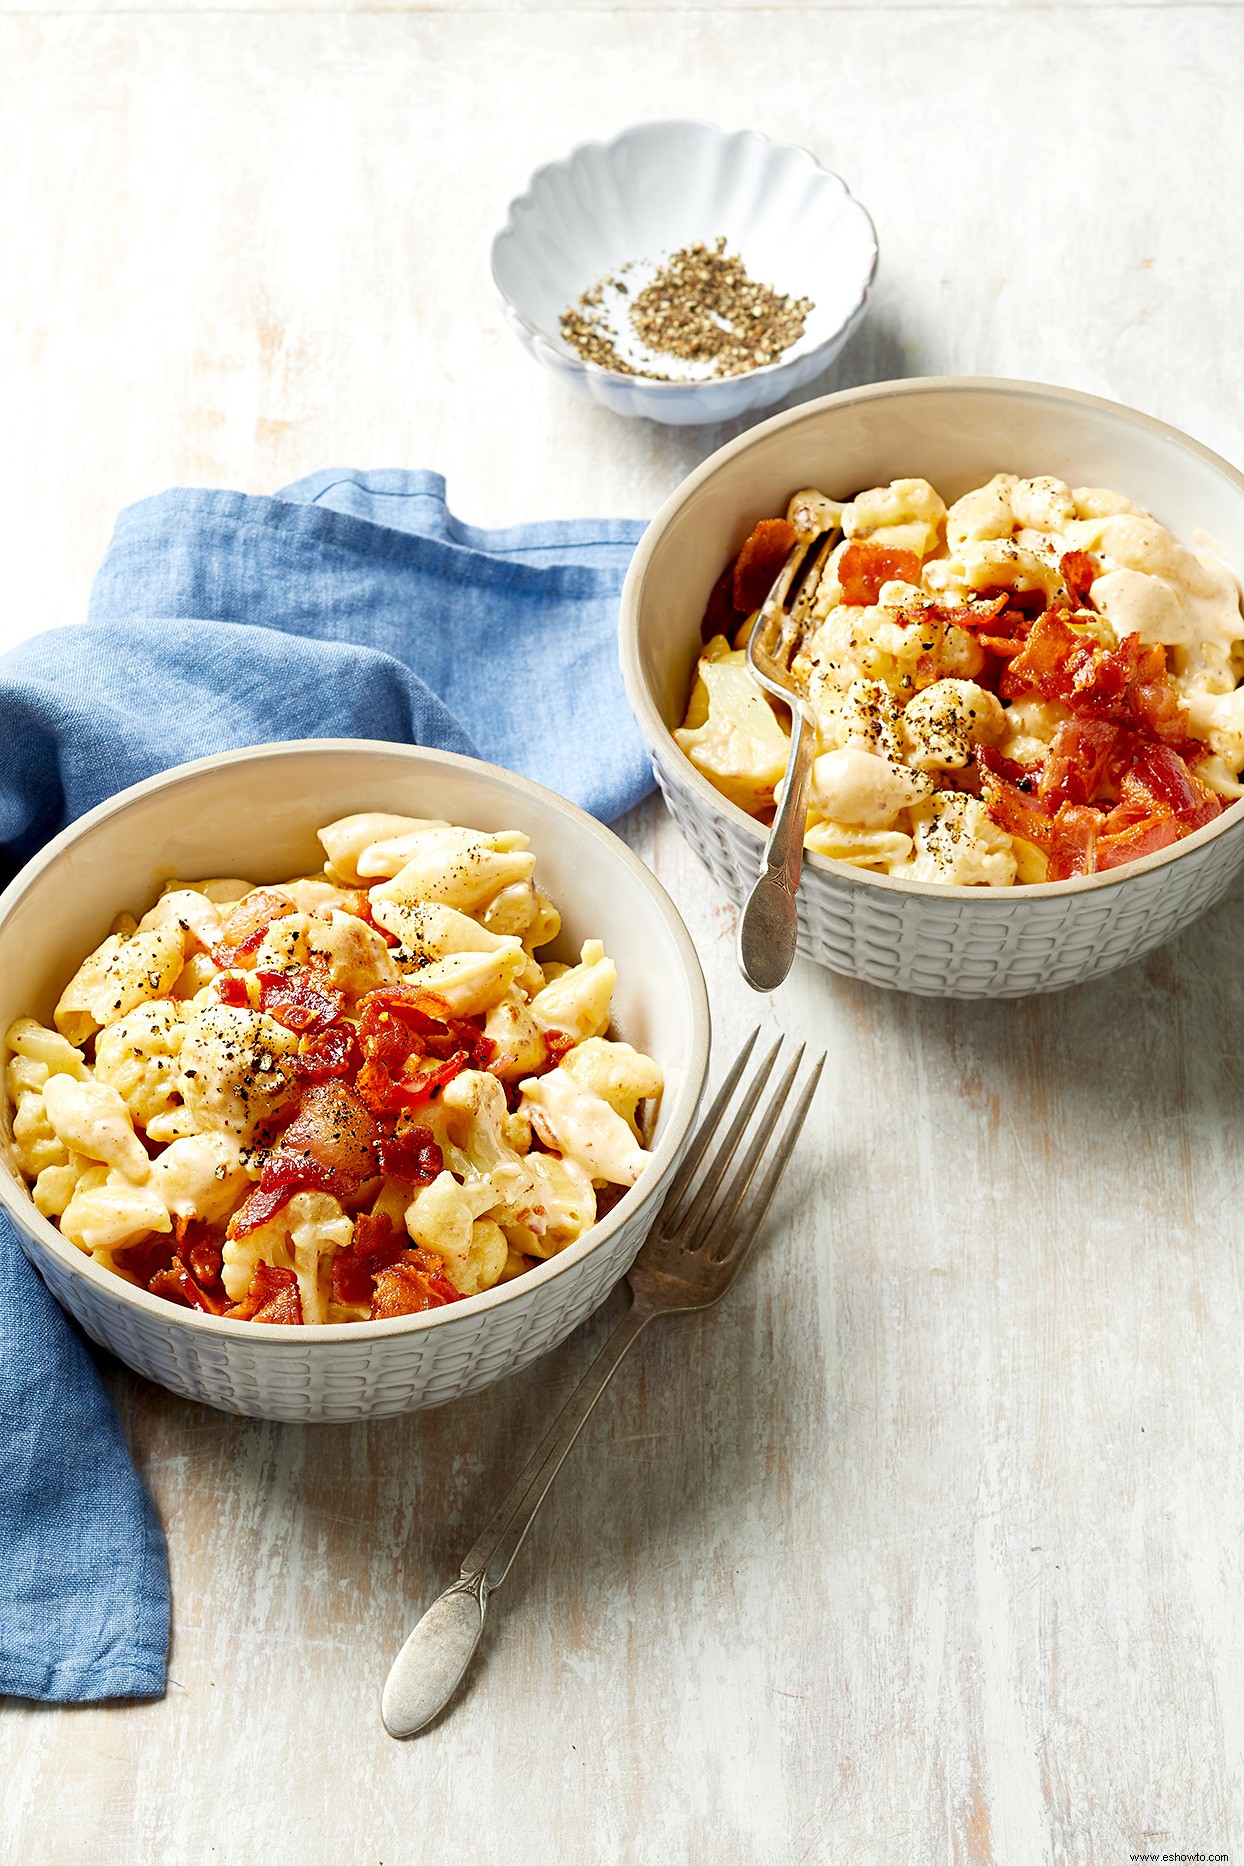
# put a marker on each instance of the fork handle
(432, 1663)
(769, 925)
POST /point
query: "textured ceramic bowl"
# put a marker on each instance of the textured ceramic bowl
(658, 187)
(256, 812)
(911, 936)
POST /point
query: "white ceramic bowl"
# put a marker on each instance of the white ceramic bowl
(255, 812)
(911, 936)
(658, 187)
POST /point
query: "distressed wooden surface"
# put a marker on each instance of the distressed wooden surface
(925, 1546)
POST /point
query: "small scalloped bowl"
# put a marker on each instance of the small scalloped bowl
(257, 810)
(661, 186)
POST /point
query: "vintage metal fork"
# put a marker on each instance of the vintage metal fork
(769, 922)
(695, 1250)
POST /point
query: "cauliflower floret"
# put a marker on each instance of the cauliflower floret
(543, 1203)
(958, 842)
(904, 648)
(473, 1125)
(462, 867)
(200, 1176)
(37, 1053)
(982, 514)
(1030, 725)
(944, 723)
(116, 977)
(199, 971)
(442, 1219)
(583, 1127)
(91, 1118)
(138, 1058)
(108, 1212)
(732, 733)
(577, 1001)
(234, 1069)
(997, 564)
(905, 515)
(304, 1237)
(359, 961)
(863, 715)
(863, 789)
(284, 947)
(1043, 504)
(620, 1075)
(56, 1185)
(521, 1048)
(813, 514)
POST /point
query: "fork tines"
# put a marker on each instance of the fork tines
(702, 1209)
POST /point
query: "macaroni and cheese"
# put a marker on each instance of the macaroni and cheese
(355, 1095)
(1038, 683)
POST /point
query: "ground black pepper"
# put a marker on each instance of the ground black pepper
(701, 307)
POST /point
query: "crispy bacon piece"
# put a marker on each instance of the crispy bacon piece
(1078, 760)
(198, 1244)
(231, 989)
(1029, 603)
(376, 1245)
(1016, 810)
(358, 903)
(1044, 661)
(1157, 707)
(333, 1053)
(283, 1175)
(1079, 574)
(176, 1284)
(1073, 842)
(397, 1032)
(145, 1260)
(299, 1000)
(414, 1088)
(334, 1128)
(863, 568)
(244, 927)
(272, 1297)
(330, 1146)
(1167, 780)
(410, 1152)
(1005, 647)
(416, 1282)
(758, 563)
(1129, 844)
(720, 615)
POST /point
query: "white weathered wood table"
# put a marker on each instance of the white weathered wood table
(927, 1546)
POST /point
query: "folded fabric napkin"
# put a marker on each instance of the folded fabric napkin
(351, 605)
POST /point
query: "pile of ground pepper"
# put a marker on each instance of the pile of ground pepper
(701, 307)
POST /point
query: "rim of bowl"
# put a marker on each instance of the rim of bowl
(21, 1208)
(572, 156)
(658, 732)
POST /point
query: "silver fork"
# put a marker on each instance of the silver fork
(769, 922)
(694, 1252)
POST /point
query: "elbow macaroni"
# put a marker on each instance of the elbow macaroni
(282, 1102)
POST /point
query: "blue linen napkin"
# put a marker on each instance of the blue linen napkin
(351, 605)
